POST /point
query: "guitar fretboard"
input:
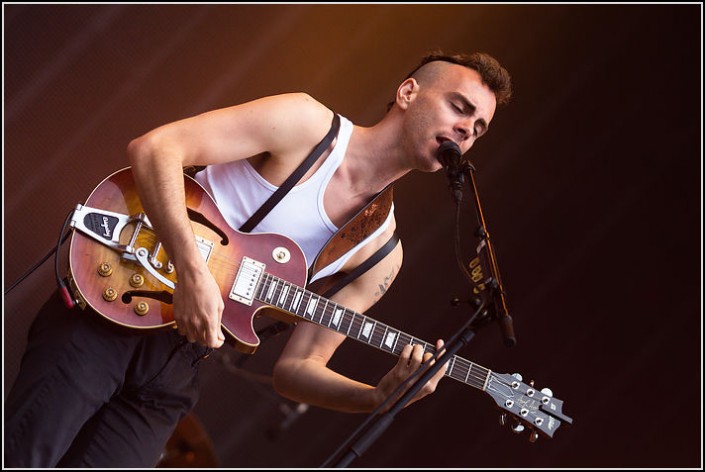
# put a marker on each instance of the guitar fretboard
(324, 312)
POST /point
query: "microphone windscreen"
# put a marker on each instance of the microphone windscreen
(448, 153)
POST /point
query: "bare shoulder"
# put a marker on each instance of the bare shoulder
(299, 102)
(294, 116)
(283, 126)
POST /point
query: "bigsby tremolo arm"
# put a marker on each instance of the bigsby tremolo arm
(106, 226)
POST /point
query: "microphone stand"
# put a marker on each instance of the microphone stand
(379, 423)
(493, 294)
(494, 282)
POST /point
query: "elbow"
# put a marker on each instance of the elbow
(154, 148)
(138, 150)
(282, 378)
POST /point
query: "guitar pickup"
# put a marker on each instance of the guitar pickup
(246, 281)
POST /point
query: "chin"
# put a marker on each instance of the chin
(430, 169)
(434, 166)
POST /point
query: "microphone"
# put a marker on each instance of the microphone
(449, 155)
(451, 159)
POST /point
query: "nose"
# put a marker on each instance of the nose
(464, 127)
(463, 131)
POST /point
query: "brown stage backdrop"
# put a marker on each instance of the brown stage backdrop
(590, 180)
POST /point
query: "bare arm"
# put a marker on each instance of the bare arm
(301, 373)
(282, 128)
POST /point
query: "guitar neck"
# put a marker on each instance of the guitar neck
(310, 306)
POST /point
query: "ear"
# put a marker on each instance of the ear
(406, 92)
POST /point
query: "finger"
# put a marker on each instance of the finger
(417, 355)
(428, 356)
(194, 331)
(220, 337)
(439, 346)
(214, 337)
(183, 324)
(405, 354)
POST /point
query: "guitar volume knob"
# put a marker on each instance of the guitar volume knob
(142, 308)
(136, 280)
(105, 269)
(110, 294)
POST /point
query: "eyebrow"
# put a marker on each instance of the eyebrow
(468, 105)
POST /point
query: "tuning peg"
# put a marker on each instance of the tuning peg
(503, 419)
(518, 428)
(517, 376)
(547, 391)
(531, 382)
(533, 436)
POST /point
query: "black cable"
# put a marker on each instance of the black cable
(463, 269)
(62, 239)
(63, 290)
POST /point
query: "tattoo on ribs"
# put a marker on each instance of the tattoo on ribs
(384, 286)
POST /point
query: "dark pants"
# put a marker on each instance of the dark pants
(88, 395)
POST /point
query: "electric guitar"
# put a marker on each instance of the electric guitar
(118, 267)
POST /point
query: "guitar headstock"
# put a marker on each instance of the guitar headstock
(537, 410)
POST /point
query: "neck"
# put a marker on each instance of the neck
(374, 158)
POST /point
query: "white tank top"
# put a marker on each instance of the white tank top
(239, 191)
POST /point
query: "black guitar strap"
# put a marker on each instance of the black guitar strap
(364, 267)
(290, 182)
(293, 179)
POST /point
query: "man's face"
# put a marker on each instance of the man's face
(448, 102)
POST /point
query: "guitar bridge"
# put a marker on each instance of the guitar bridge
(246, 281)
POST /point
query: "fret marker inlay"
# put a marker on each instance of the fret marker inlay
(270, 292)
(297, 300)
(311, 307)
(366, 329)
(389, 341)
(336, 316)
(282, 297)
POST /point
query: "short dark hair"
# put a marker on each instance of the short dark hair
(491, 71)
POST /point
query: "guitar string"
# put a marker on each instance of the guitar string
(466, 367)
(456, 363)
(461, 369)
